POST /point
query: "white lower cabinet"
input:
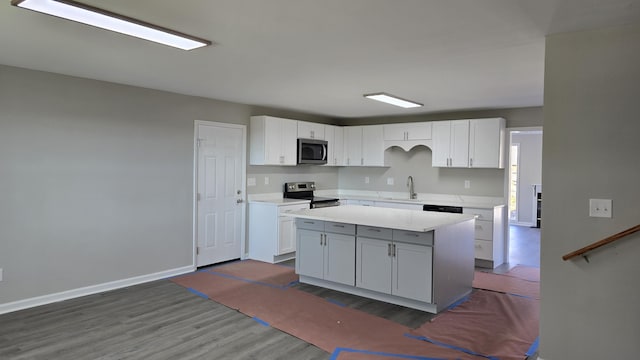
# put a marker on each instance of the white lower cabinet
(272, 235)
(489, 236)
(392, 267)
(324, 254)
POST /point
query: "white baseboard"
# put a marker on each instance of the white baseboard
(93, 289)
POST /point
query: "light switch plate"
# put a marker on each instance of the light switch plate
(390, 181)
(467, 184)
(0, 274)
(366, 179)
(600, 208)
(266, 180)
(251, 181)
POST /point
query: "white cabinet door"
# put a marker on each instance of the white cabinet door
(441, 142)
(339, 258)
(412, 271)
(289, 131)
(373, 264)
(395, 132)
(450, 143)
(310, 130)
(419, 131)
(459, 143)
(335, 143)
(310, 254)
(286, 235)
(407, 131)
(353, 145)
(486, 143)
(272, 141)
(372, 145)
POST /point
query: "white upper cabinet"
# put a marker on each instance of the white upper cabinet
(486, 143)
(353, 146)
(311, 130)
(372, 145)
(450, 143)
(364, 145)
(407, 131)
(272, 141)
(477, 143)
(335, 142)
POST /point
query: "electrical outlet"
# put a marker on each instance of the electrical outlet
(0, 274)
(251, 181)
(366, 179)
(467, 184)
(600, 208)
(390, 181)
(266, 180)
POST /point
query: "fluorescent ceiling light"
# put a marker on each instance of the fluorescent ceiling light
(393, 100)
(104, 19)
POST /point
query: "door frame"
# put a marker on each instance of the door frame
(243, 229)
(506, 180)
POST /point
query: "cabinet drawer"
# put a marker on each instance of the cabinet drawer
(413, 237)
(309, 224)
(375, 232)
(339, 228)
(482, 214)
(289, 208)
(484, 230)
(484, 249)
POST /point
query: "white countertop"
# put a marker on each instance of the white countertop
(401, 219)
(280, 201)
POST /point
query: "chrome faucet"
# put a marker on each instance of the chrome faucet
(412, 194)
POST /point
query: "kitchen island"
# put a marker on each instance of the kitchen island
(417, 259)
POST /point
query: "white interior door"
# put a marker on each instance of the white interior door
(220, 192)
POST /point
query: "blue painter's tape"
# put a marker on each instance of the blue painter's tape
(260, 321)
(336, 302)
(434, 342)
(338, 351)
(534, 347)
(202, 295)
(455, 304)
(293, 283)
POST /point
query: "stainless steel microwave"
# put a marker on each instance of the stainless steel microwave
(312, 151)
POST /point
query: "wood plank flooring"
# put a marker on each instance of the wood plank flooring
(157, 320)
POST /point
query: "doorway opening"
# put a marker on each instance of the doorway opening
(523, 187)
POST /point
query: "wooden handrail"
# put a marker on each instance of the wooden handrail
(600, 243)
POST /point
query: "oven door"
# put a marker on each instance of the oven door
(311, 151)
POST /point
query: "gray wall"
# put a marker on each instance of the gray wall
(96, 179)
(530, 172)
(590, 150)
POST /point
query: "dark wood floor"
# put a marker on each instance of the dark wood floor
(157, 320)
(161, 320)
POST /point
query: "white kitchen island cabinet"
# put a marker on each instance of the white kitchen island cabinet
(416, 259)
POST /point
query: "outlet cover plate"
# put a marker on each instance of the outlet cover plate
(600, 208)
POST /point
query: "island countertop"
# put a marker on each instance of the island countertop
(402, 219)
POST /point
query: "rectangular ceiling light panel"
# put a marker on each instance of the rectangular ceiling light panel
(104, 19)
(393, 100)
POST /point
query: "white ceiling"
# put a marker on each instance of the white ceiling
(320, 56)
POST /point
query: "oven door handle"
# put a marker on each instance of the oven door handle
(324, 152)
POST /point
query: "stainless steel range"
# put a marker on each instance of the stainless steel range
(304, 191)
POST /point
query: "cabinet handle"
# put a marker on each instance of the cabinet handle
(336, 225)
(320, 239)
(389, 249)
(325, 239)
(394, 250)
(309, 222)
(471, 162)
(411, 234)
(361, 161)
(376, 230)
